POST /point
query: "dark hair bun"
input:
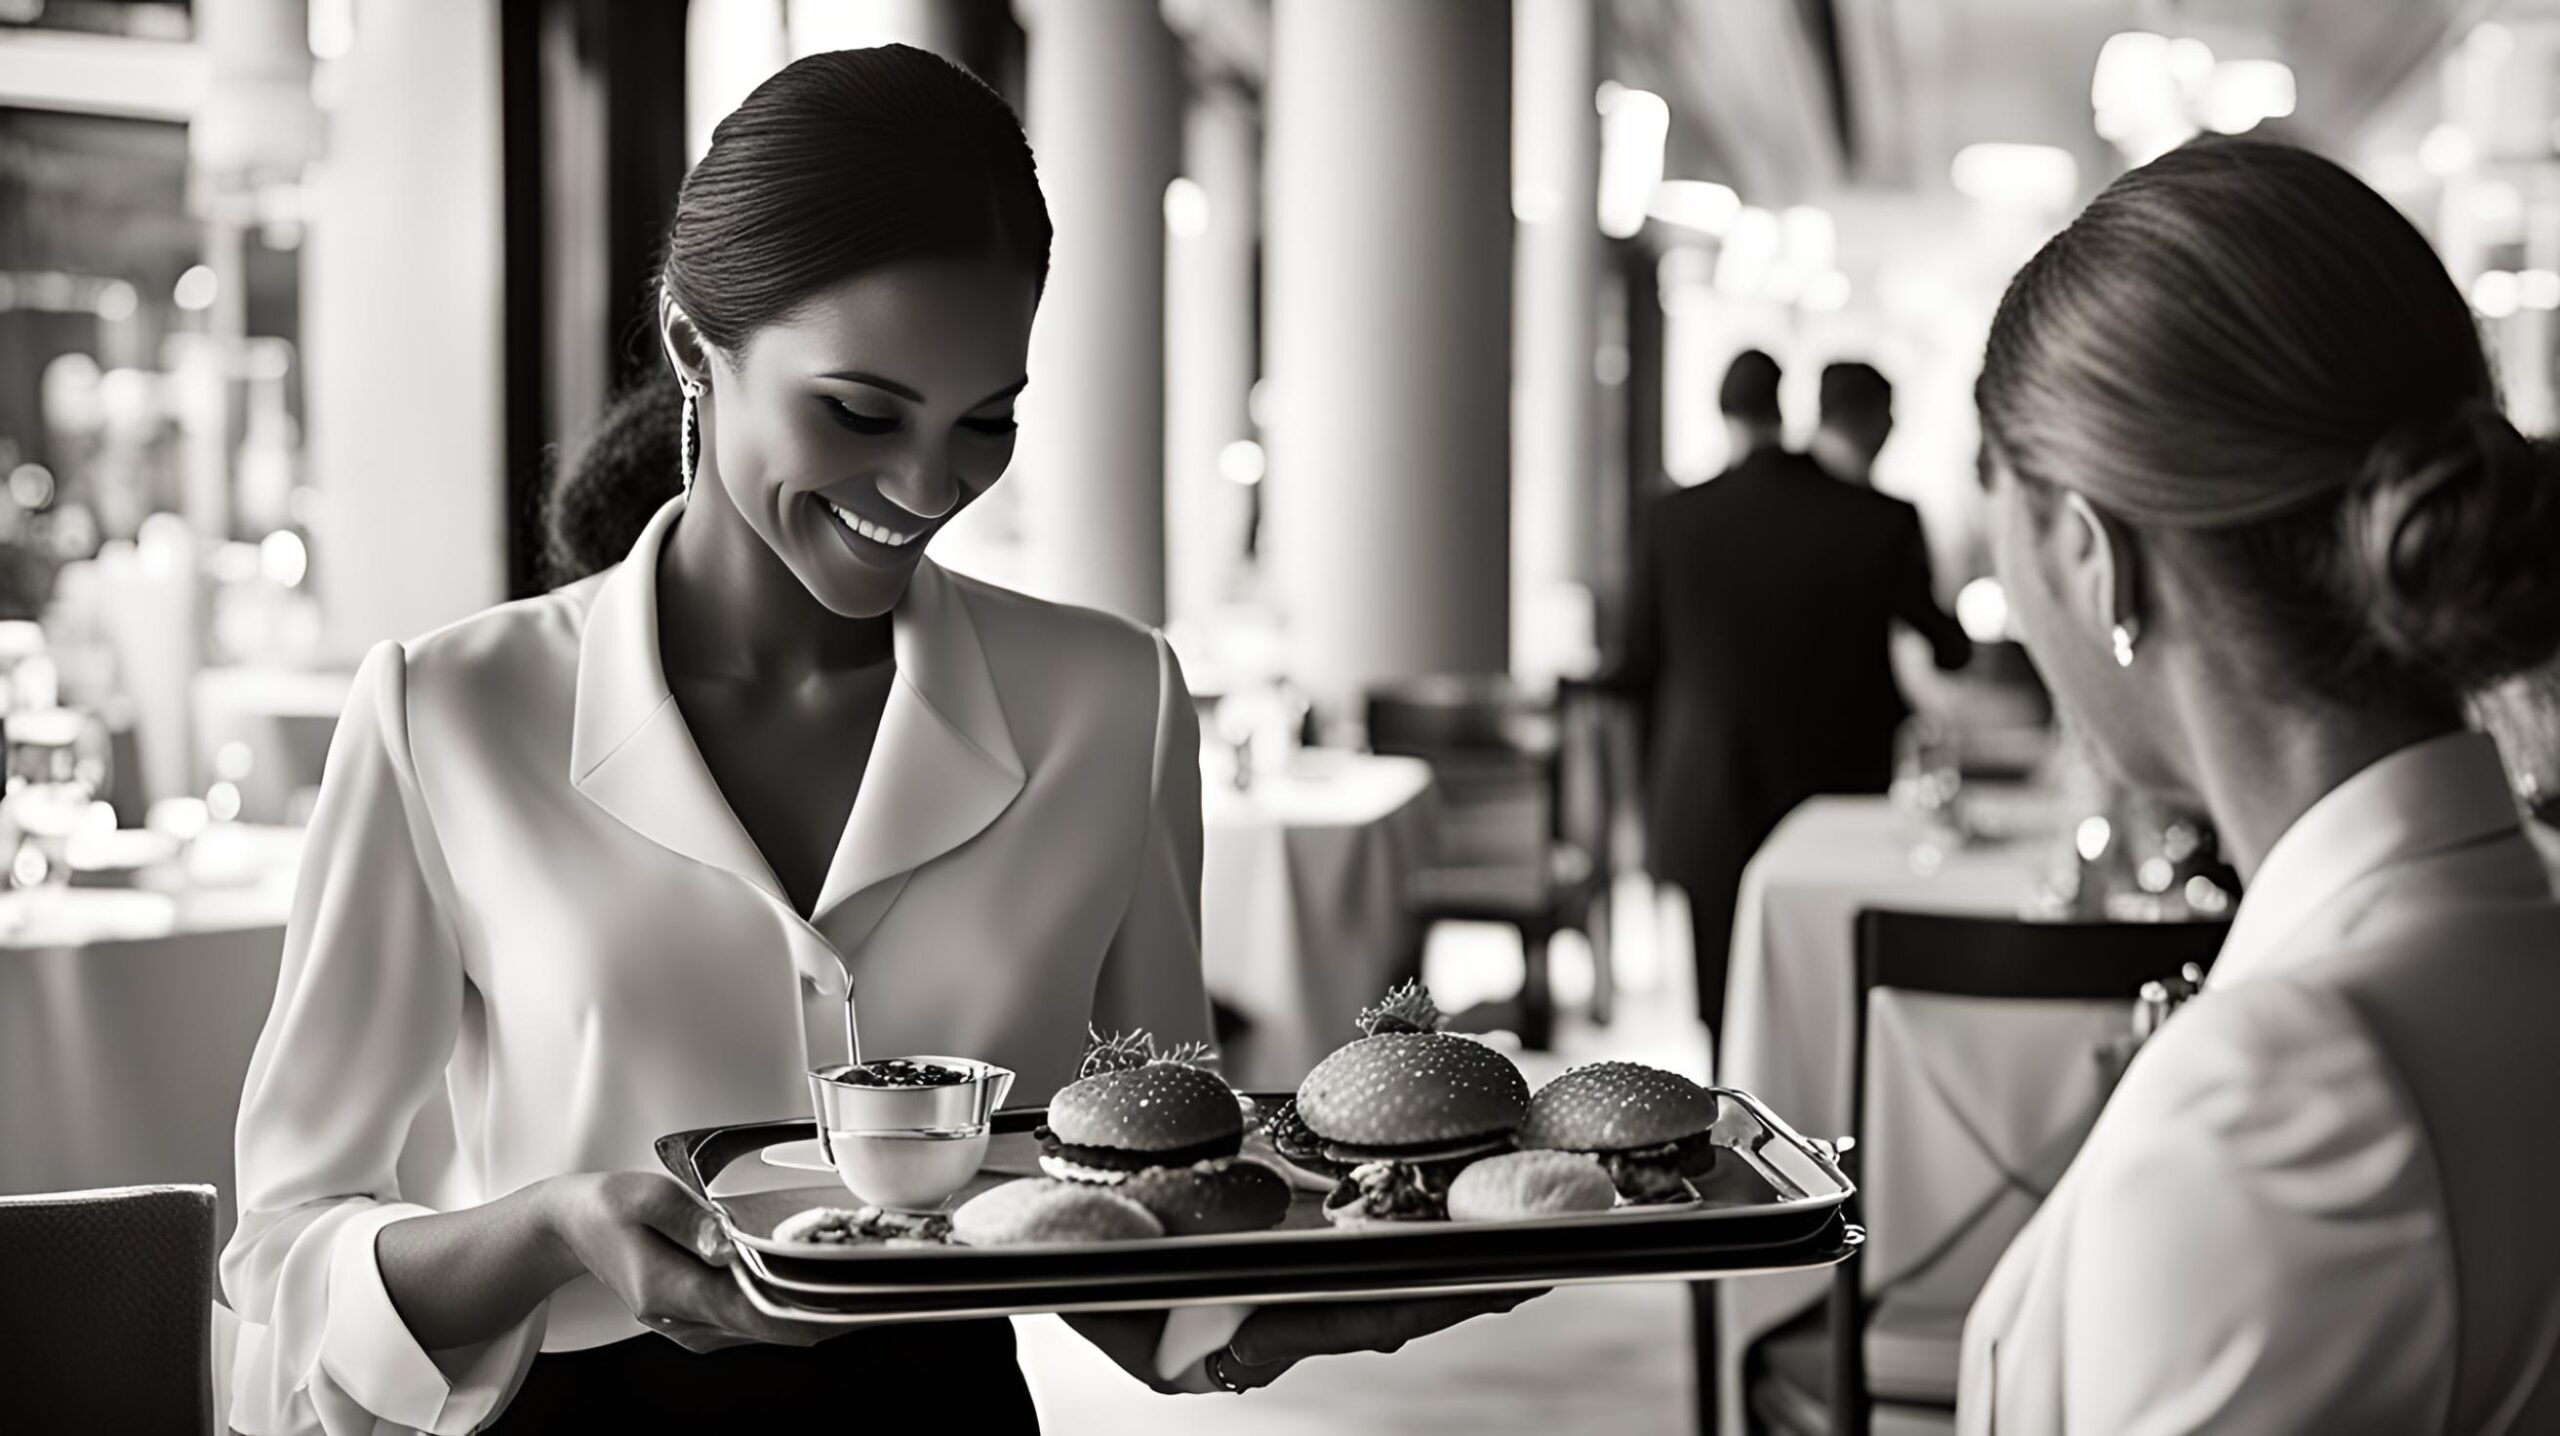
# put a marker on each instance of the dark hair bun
(609, 486)
(2453, 534)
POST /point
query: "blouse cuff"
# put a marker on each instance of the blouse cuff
(369, 1354)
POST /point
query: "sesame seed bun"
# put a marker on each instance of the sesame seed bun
(1530, 1184)
(1617, 1107)
(1405, 1089)
(1036, 1209)
(1163, 1107)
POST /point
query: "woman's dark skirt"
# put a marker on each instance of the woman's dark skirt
(960, 1374)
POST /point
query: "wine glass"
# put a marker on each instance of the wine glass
(1928, 783)
(57, 767)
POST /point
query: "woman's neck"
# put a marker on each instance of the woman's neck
(2260, 761)
(729, 608)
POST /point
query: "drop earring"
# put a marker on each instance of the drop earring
(2123, 640)
(689, 456)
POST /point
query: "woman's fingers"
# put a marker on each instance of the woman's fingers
(696, 1337)
(706, 1296)
(658, 1203)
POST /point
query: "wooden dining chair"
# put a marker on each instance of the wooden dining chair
(1810, 1377)
(1503, 857)
(106, 1310)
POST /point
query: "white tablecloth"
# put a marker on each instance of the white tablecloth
(1302, 899)
(127, 1019)
(1787, 1035)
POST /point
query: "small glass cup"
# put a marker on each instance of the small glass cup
(907, 1149)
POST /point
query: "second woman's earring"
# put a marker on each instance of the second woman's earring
(690, 456)
(2123, 639)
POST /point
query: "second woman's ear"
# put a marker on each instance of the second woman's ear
(2104, 564)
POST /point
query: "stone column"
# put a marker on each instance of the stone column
(1212, 221)
(1388, 330)
(403, 278)
(1103, 95)
(1555, 459)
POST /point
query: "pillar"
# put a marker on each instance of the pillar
(1212, 226)
(403, 288)
(1388, 279)
(1103, 93)
(1555, 460)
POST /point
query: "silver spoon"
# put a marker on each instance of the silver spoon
(852, 1031)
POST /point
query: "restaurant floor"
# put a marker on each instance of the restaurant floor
(1612, 1358)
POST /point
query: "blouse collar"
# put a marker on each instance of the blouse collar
(943, 767)
(2430, 796)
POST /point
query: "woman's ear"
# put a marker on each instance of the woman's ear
(685, 350)
(2104, 561)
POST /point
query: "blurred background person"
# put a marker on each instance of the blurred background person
(1758, 639)
(1856, 419)
(1748, 400)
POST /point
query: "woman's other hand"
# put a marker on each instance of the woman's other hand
(665, 1257)
(1276, 1338)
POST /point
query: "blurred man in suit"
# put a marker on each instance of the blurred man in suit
(1757, 635)
(1857, 417)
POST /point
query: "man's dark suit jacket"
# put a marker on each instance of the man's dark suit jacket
(1758, 628)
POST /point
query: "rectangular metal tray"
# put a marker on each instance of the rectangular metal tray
(1773, 1204)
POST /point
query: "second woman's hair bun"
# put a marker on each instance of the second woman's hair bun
(2453, 543)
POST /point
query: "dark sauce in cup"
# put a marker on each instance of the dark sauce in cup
(900, 1072)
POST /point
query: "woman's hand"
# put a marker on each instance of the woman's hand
(663, 1255)
(1276, 1338)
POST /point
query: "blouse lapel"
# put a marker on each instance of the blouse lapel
(944, 766)
(629, 750)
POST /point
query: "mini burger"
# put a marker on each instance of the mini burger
(1649, 1128)
(1397, 1114)
(1211, 1198)
(1135, 1112)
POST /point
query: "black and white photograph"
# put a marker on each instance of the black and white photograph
(1280, 717)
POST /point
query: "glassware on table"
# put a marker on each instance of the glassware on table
(1234, 729)
(28, 679)
(1262, 726)
(58, 765)
(907, 1148)
(1928, 783)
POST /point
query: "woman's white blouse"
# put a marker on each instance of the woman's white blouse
(2314, 1204)
(530, 937)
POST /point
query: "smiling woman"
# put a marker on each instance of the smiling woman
(604, 864)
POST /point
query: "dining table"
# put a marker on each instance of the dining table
(1787, 1037)
(128, 1014)
(1304, 917)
